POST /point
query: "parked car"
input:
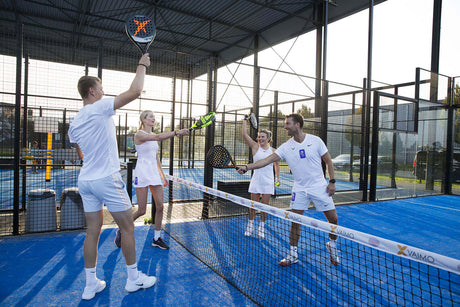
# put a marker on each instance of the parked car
(342, 162)
(384, 165)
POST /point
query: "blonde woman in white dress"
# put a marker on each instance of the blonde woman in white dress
(149, 173)
(263, 180)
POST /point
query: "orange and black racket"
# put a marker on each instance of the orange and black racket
(141, 30)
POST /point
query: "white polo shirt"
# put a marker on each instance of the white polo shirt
(94, 131)
(304, 159)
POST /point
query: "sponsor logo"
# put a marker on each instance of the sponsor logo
(286, 215)
(420, 256)
(302, 154)
(402, 248)
(252, 204)
(374, 242)
(314, 223)
(345, 234)
(136, 180)
(226, 195)
(296, 218)
(139, 285)
(333, 228)
(293, 196)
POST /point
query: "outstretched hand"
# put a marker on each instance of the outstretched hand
(183, 132)
(242, 169)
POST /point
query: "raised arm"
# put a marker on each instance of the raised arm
(137, 85)
(140, 138)
(251, 143)
(259, 164)
(330, 170)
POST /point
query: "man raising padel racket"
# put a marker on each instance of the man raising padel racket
(262, 182)
(149, 174)
(303, 153)
(100, 182)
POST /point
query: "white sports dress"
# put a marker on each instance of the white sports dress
(146, 172)
(262, 181)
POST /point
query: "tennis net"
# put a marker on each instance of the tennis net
(372, 270)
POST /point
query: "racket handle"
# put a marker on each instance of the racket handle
(246, 117)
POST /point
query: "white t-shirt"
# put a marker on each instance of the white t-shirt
(93, 130)
(304, 160)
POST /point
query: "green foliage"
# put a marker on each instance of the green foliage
(305, 111)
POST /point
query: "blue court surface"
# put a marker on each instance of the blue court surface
(47, 269)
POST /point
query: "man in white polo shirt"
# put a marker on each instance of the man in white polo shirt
(99, 182)
(304, 153)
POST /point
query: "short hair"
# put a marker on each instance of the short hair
(296, 118)
(85, 83)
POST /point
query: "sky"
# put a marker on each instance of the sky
(401, 42)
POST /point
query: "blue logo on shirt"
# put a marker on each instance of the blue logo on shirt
(302, 153)
(293, 196)
(135, 180)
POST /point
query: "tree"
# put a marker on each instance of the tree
(305, 111)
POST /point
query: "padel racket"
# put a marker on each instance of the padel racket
(141, 30)
(219, 157)
(204, 121)
(252, 120)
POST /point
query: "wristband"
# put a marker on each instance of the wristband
(143, 65)
(331, 180)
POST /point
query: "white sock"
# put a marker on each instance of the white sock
(332, 243)
(251, 223)
(133, 273)
(157, 234)
(261, 224)
(293, 251)
(90, 276)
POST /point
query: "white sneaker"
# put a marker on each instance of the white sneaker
(90, 291)
(290, 259)
(261, 232)
(248, 231)
(332, 249)
(142, 282)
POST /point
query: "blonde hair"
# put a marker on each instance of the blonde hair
(268, 133)
(142, 116)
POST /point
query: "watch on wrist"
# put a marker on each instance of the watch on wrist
(331, 180)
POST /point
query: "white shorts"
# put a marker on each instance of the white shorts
(323, 202)
(109, 191)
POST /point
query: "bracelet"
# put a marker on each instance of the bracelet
(143, 65)
(331, 180)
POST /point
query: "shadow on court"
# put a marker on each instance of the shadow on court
(47, 270)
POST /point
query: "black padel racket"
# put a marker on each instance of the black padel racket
(204, 121)
(219, 157)
(252, 120)
(141, 30)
